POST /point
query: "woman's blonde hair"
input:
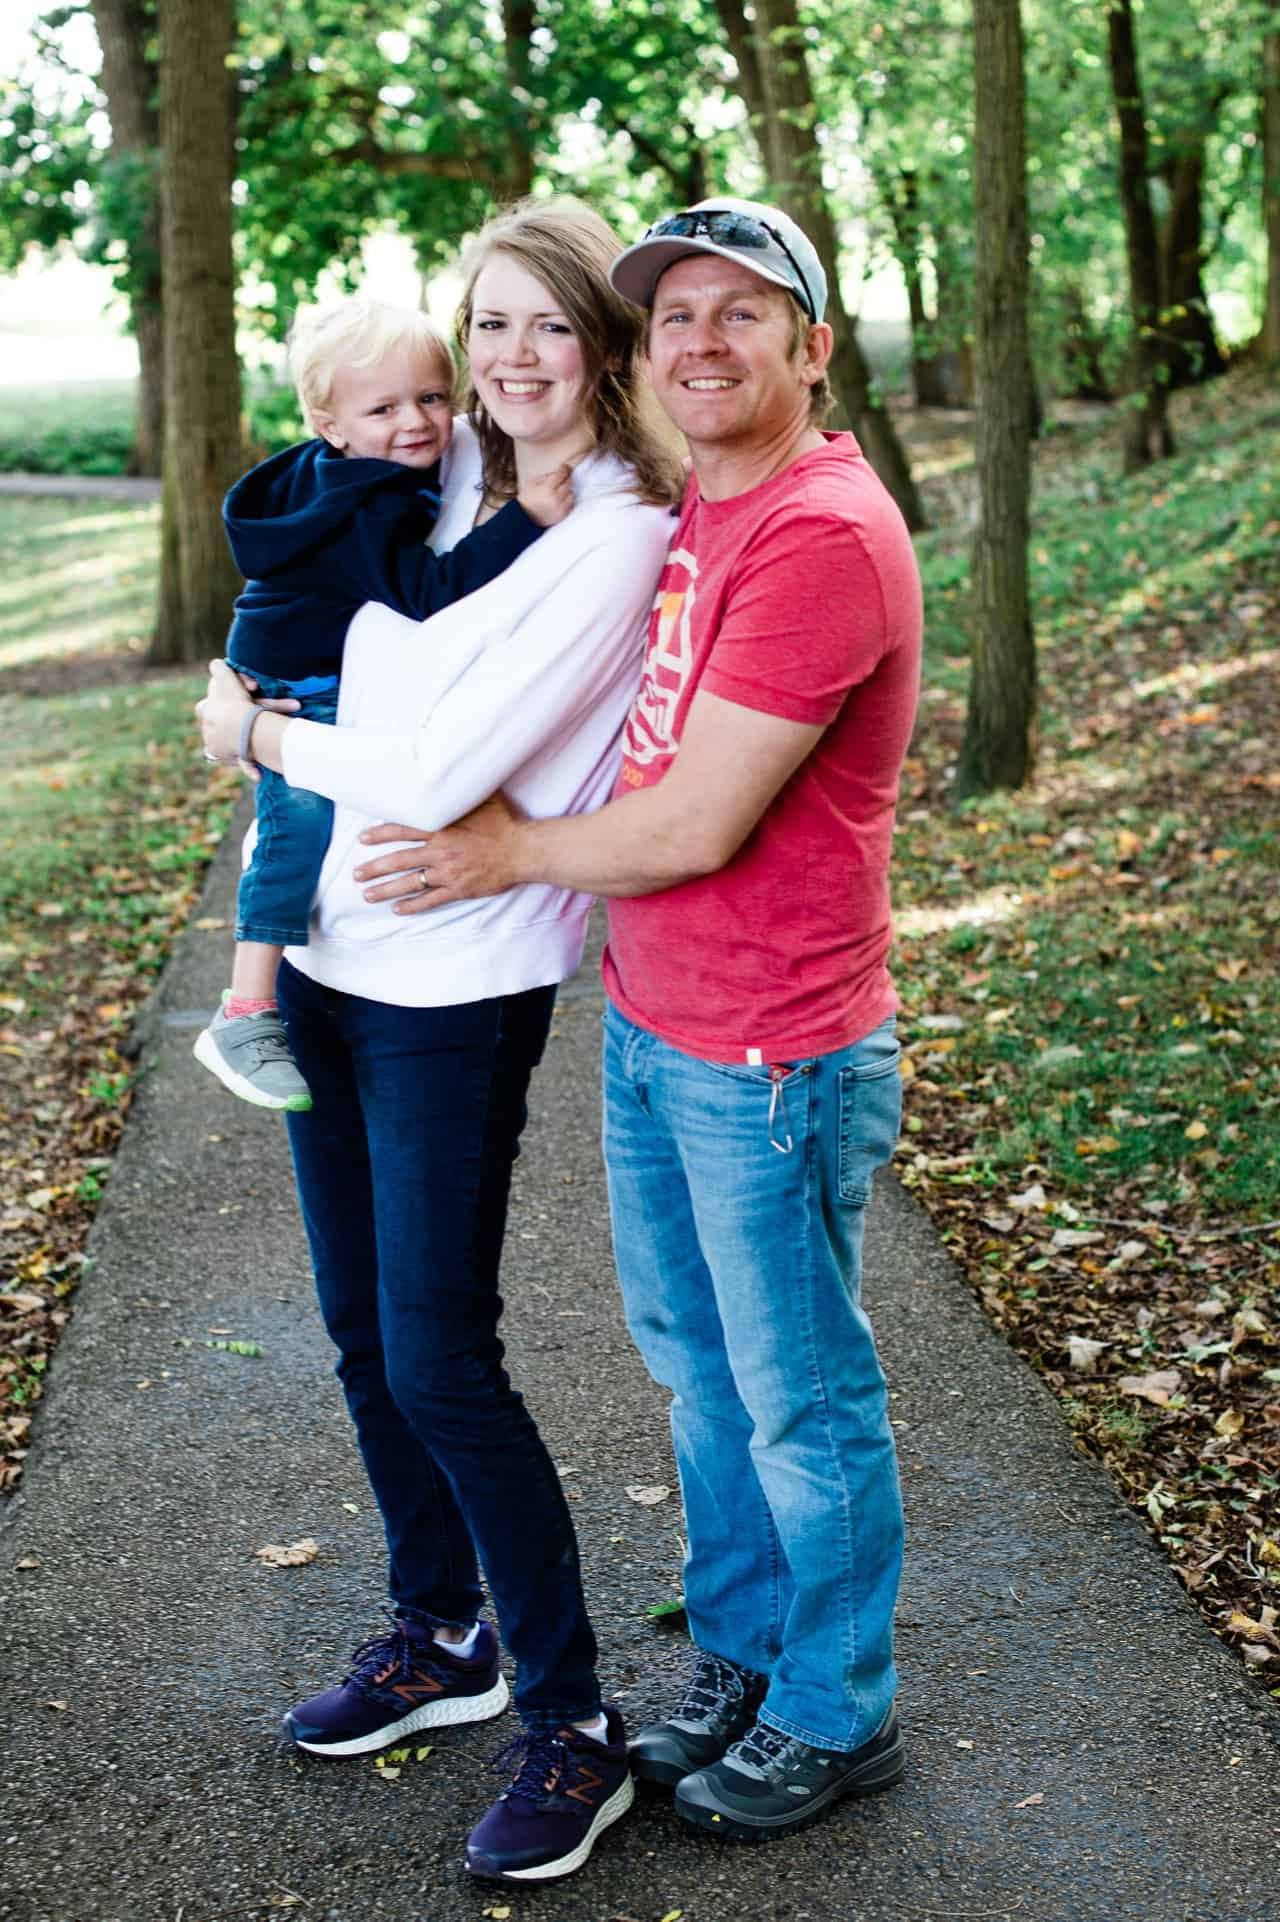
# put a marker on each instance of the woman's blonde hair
(357, 333)
(569, 248)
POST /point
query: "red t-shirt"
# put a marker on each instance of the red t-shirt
(800, 598)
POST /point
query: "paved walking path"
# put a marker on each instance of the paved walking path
(115, 487)
(1081, 1749)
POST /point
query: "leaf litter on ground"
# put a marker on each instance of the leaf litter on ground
(1088, 970)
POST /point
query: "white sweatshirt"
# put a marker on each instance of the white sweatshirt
(524, 685)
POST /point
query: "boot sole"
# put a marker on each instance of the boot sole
(608, 1812)
(450, 1713)
(885, 1772)
(206, 1053)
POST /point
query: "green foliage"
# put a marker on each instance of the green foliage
(46, 153)
(358, 114)
(87, 427)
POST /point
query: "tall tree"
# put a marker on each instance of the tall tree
(1192, 349)
(1148, 435)
(1271, 187)
(519, 18)
(998, 744)
(778, 92)
(130, 179)
(202, 444)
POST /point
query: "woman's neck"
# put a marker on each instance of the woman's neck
(536, 458)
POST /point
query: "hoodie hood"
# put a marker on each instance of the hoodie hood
(304, 496)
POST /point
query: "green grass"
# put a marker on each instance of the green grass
(105, 800)
(87, 427)
(76, 577)
(71, 427)
(1121, 916)
(1106, 551)
(108, 818)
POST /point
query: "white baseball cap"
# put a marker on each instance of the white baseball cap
(759, 237)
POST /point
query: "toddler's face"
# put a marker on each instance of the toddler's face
(401, 409)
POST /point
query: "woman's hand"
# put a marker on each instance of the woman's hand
(474, 857)
(222, 712)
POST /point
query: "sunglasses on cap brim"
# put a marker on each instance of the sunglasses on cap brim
(732, 230)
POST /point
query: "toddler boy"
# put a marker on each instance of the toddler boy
(318, 530)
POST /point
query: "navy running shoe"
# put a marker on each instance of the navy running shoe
(400, 1683)
(566, 1791)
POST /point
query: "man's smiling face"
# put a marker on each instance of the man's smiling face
(721, 358)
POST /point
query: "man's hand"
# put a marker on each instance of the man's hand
(548, 498)
(474, 857)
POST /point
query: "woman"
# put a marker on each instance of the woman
(418, 1034)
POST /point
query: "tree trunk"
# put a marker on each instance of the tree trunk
(1187, 324)
(774, 79)
(148, 326)
(1271, 190)
(998, 749)
(518, 20)
(1147, 436)
(202, 452)
(129, 83)
(1082, 349)
(929, 380)
(954, 319)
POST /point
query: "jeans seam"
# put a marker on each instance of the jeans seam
(813, 1191)
(274, 937)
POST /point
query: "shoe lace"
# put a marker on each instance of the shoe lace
(269, 1044)
(536, 1763)
(381, 1657)
(713, 1683)
(391, 1653)
(763, 1751)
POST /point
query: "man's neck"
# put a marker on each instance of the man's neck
(728, 468)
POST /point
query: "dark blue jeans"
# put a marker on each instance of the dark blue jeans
(294, 825)
(404, 1168)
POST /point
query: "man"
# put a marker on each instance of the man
(751, 1070)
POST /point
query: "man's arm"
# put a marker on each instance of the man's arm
(731, 763)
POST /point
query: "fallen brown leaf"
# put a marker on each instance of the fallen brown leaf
(1156, 1387)
(294, 1556)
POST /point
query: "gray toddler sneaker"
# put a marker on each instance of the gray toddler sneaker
(250, 1055)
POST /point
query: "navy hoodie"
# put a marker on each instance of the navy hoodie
(318, 534)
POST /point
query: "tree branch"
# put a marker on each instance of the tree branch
(432, 166)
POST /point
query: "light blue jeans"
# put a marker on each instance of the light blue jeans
(738, 1197)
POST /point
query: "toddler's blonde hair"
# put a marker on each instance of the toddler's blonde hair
(358, 332)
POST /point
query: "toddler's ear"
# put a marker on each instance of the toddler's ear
(327, 427)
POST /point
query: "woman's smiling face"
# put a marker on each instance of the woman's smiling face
(526, 361)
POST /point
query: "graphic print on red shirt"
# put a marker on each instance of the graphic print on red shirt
(651, 725)
(800, 598)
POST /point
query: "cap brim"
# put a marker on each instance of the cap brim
(636, 272)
